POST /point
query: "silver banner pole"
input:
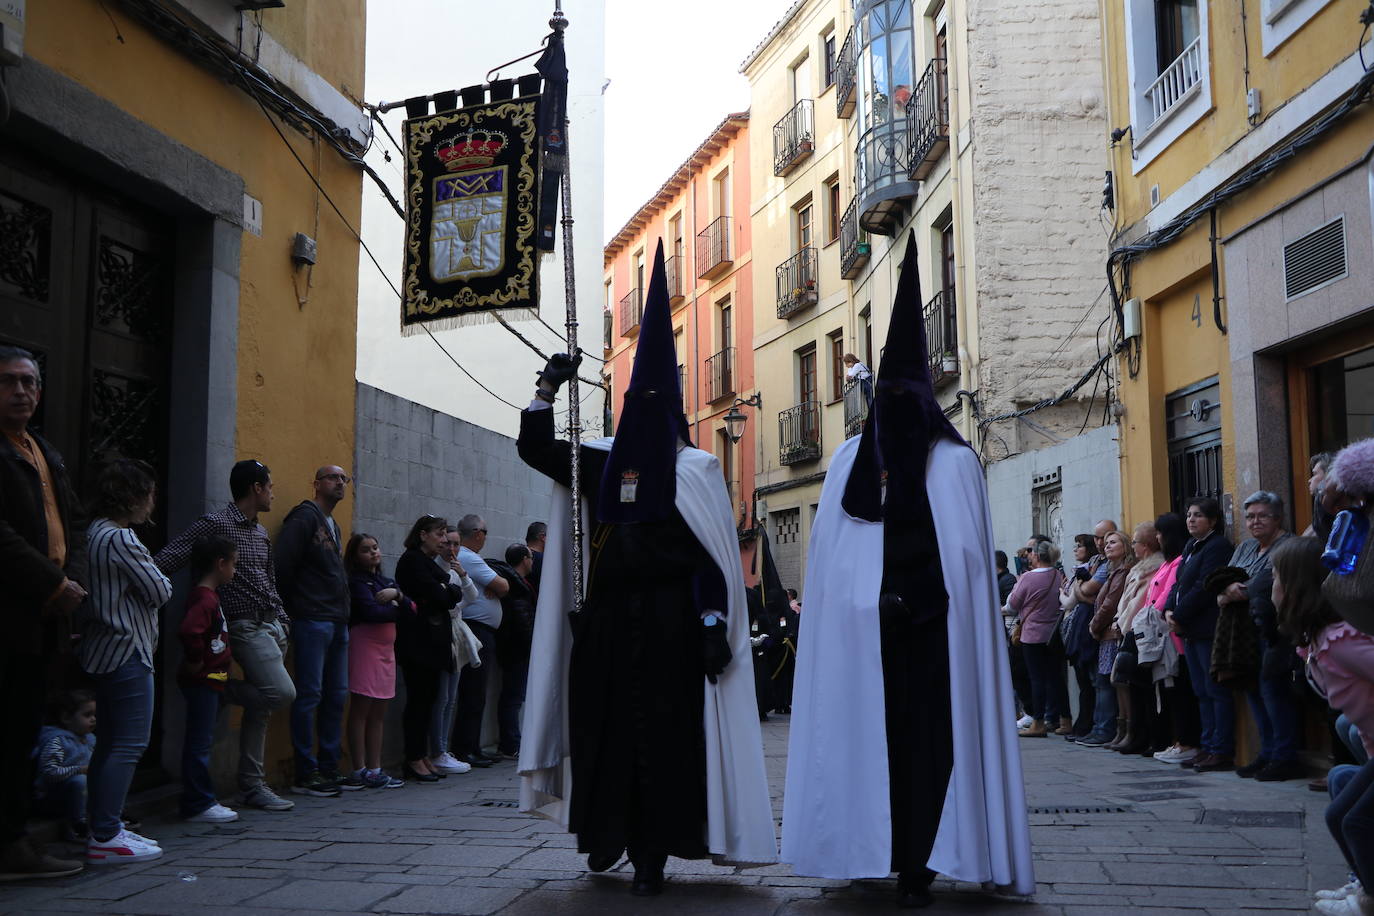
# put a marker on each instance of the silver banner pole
(559, 23)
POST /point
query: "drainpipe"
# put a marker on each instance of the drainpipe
(964, 304)
(694, 319)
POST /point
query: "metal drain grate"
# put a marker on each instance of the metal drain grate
(1158, 796)
(1169, 784)
(492, 803)
(1291, 820)
(1080, 809)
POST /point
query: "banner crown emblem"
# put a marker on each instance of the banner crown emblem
(471, 149)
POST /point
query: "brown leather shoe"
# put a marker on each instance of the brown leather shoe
(1200, 757)
(1037, 729)
(1215, 763)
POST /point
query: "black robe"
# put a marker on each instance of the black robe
(636, 673)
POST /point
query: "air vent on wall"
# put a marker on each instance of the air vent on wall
(1315, 260)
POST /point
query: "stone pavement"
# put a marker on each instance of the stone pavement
(1111, 835)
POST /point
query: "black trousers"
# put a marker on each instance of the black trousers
(472, 695)
(1087, 694)
(920, 749)
(422, 686)
(21, 716)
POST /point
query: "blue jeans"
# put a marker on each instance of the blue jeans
(321, 648)
(1104, 709)
(202, 712)
(445, 705)
(124, 722)
(65, 799)
(1350, 737)
(1216, 707)
(508, 706)
(1350, 818)
(1275, 711)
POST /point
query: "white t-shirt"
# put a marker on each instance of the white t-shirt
(858, 370)
(483, 610)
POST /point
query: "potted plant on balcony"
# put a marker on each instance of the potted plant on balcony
(804, 146)
(949, 363)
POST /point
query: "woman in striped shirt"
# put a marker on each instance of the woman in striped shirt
(118, 638)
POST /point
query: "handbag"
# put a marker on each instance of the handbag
(1016, 634)
(1352, 595)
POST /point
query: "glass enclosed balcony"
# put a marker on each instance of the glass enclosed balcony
(885, 78)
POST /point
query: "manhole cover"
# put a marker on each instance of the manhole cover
(1288, 819)
(492, 803)
(1079, 809)
(1158, 796)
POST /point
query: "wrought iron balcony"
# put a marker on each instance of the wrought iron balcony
(720, 374)
(796, 282)
(682, 382)
(846, 66)
(794, 137)
(883, 185)
(854, 246)
(799, 433)
(631, 310)
(672, 269)
(713, 249)
(855, 407)
(1175, 83)
(928, 126)
(607, 332)
(942, 336)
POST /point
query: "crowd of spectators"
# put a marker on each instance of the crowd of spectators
(1165, 632)
(84, 604)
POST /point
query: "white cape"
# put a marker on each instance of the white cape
(837, 819)
(739, 814)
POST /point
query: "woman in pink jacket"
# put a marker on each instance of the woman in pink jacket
(1035, 599)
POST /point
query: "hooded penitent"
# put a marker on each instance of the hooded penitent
(639, 480)
(904, 422)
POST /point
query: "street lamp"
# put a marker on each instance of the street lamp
(735, 419)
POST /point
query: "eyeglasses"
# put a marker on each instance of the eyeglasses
(342, 478)
(480, 531)
(1256, 516)
(26, 381)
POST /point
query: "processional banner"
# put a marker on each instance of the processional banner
(472, 201)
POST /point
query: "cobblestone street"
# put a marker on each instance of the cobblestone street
(1166, 842)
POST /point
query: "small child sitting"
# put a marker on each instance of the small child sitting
(64, 754)
(203, 675)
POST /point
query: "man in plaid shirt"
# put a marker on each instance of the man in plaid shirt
(258, 624)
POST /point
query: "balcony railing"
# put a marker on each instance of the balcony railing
(928, 126)
(855, 406)
(672, 269)
(794, 137)
(1176, 82)
(796, 282)
(607, 332)
(942, 336)
(720, 374)
(882, 176)
(846, 66)
(713, 249)
(682, 382)
(854, 246)
(631, 310)
(799, 433)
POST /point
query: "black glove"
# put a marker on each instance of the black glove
(715, 654)
(558, 370)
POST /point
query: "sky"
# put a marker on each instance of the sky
(674, 74)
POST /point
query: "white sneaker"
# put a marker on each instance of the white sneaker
(261, 796)
(1176, 754)
(215, 814)
(124, 847)
(142, 839)
(1354, 905)
(1025, 722)
(1340, 893)
(1168, 755)
(447, 763)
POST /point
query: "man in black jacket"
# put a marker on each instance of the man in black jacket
(314, 589)
(42, 540)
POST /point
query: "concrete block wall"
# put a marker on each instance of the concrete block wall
(410, 460)
(1090, 478)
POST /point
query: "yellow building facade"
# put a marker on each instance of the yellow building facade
(190, 290)
(1241, 247)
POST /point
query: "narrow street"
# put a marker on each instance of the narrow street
(1164, 841)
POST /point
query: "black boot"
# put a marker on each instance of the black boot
(648, 875)
(603, 860)
(913, 891)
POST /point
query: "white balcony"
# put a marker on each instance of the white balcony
(1179, 81)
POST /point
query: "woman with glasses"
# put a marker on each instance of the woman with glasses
(424, 638)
